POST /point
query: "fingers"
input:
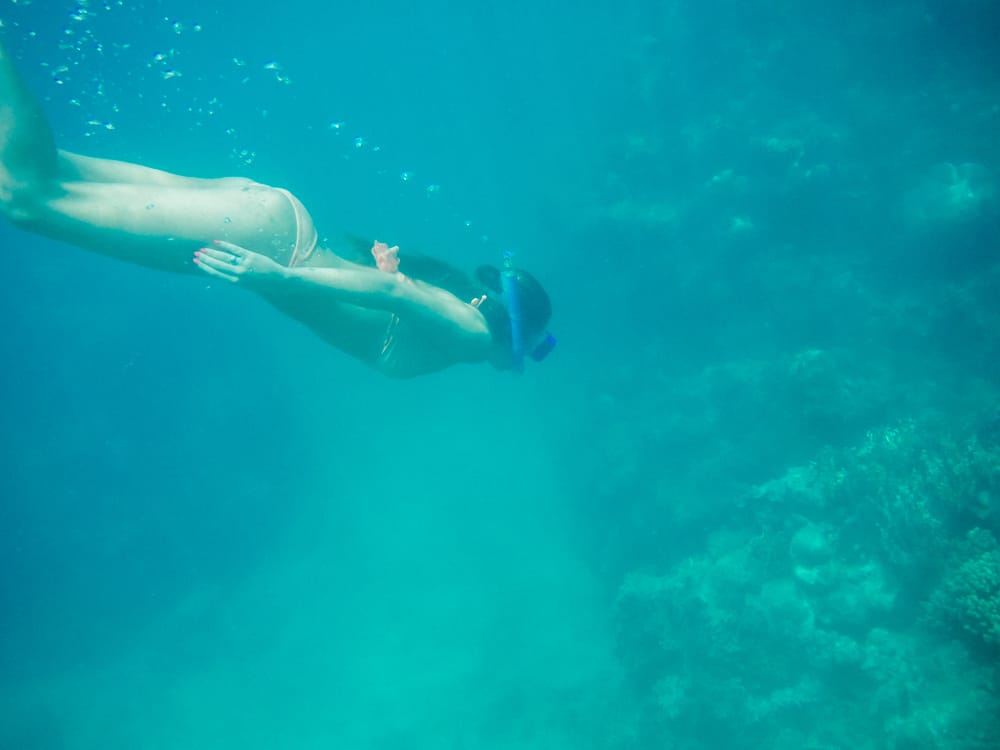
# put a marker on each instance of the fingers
(227, 252)
(386, 258)
(222, 256)
(222, 265)
(230, 248)
(211, 271)
(234, 263)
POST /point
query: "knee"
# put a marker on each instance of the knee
(12, 203)
(18, 205)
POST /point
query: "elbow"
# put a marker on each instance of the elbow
(393, 291)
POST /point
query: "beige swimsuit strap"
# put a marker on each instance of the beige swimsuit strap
(389, 340)
(306, 236)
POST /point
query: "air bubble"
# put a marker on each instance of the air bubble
(244, 156)
(406, 176)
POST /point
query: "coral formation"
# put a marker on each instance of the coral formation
(817, 589)
(969, 597)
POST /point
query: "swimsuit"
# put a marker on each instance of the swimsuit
(387, 356)
(306, 241)
(306, 236)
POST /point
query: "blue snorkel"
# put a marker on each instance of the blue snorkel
(512, 297)
(508, 282)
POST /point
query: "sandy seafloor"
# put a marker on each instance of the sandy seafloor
(751, 501)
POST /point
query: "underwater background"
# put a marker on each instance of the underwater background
(751, 501)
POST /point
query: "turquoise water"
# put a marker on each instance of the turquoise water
(752, 500)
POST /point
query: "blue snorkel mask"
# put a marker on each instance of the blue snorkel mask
(512, 298)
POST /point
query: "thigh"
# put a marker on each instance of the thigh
(79, 168)
(160, 225)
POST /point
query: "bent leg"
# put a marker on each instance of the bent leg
(123, 210)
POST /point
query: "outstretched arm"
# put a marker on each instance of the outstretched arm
(354, 285)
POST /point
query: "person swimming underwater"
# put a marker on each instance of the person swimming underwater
(403, 315)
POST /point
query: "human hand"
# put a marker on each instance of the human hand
(386, 258)
(236, 264)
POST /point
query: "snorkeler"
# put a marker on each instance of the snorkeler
(404, 315)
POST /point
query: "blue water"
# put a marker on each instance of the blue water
(751, 501)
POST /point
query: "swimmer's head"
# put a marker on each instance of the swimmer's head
(536, 309)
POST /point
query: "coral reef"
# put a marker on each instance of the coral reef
(834, 579)
(796, 472)
(968, 599)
